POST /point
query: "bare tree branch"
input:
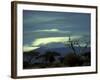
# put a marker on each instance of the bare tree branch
(79, 43)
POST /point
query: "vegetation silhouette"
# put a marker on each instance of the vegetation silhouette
(34, 59)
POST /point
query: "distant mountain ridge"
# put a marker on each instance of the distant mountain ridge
(61, 50)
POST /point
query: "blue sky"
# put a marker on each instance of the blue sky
(46, 27)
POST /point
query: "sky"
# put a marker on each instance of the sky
(52, 29)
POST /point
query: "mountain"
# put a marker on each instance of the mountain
(27, 56)
(61, 50)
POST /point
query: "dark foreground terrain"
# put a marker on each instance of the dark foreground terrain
(48, 59)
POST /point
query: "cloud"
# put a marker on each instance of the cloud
(47, 30)
(29, 48)
(44, 41)
(40, 32)
(37, 20)
(52, 30)
(47, 41)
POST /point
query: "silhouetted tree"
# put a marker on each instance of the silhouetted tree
(74, 59)
(80, 43)
(30, 55)
(49, 56)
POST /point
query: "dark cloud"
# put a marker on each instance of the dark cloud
(76, 23)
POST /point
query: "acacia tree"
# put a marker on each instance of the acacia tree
(74, 59)
(82, 44)
(49, 56)
(30, 55)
